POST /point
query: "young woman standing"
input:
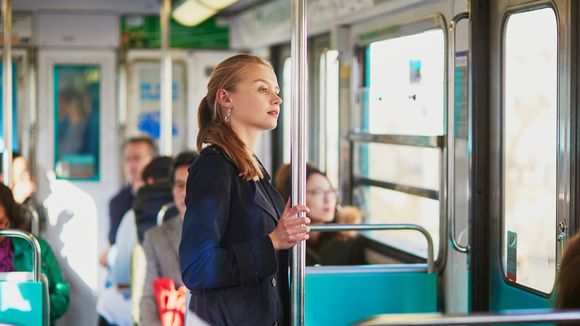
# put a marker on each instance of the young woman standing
(237, 231)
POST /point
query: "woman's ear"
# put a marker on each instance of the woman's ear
(223, 98)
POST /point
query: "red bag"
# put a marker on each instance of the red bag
(170, 301)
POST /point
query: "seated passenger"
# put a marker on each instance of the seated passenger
(24, 190)
(161, 243)
(568, 293)
(16, 255)
(151, 197)
(328, 248)
(114, 303)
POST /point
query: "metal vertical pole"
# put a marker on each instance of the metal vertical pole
(298, 147)
(165, 140)
(7, 91)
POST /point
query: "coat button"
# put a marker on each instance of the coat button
(273, 281)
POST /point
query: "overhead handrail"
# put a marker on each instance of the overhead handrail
(35, 221)
(162, 211)
(559, 316)
(11, 233)
(382, 227)
(451, 133)
(405, 140)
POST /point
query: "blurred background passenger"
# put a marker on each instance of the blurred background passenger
(24, 190)
(137, 153)
(161, 244)
(328, 248)
(114, 304)
(16, 255)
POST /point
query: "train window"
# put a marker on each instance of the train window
(77, 106)
(406, 85)
(389, 206)
(286, 108)
(329, 112)
(530, 149)
(145, 101)
(404, 95)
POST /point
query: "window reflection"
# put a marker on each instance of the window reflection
(77, 121)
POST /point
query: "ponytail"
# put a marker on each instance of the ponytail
(212, 127)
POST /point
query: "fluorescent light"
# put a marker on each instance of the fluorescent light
(217, 4)
(194, 12)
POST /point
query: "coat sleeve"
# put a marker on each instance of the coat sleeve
(58, 288)
(205, 263)
(149, 314)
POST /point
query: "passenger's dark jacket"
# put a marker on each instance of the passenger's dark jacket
(120, 204)
(227, 258)
(330, 250)
(148, 202)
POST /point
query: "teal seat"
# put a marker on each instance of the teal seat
(24, 298)
(342, 295)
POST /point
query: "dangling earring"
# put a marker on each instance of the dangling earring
(228, 117)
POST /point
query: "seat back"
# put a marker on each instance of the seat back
(342, 295)
(24, 298)
(23, 301)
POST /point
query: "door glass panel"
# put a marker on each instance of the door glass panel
(77, 108)
(530, 149)
(144, 101)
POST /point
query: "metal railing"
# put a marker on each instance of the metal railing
(10, 233)
(561, 317)
(382, 227)
(163, 211)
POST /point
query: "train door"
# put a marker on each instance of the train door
(530, 152)
(190, 73)
(77, 164)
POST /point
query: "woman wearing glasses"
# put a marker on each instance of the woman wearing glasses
(330, 248)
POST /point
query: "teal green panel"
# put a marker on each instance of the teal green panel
(508, 298)
(21, 303)
(341, 299)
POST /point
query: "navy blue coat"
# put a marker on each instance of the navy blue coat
(227, 258)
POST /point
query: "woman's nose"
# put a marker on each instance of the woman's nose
(277, 99)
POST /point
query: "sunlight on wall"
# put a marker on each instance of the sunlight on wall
(73, 213)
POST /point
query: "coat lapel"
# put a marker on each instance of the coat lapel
(262, 201)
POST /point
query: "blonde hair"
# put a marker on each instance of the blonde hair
(212, 127)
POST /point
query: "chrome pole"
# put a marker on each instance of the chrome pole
(7, 93)
(166, 98)
(298, 147)
(451, 134)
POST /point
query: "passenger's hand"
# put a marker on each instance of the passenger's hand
(291, 229)
(103, 258)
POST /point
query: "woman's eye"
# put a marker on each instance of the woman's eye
(263, 90)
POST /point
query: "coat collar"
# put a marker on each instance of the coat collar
(263, 201)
